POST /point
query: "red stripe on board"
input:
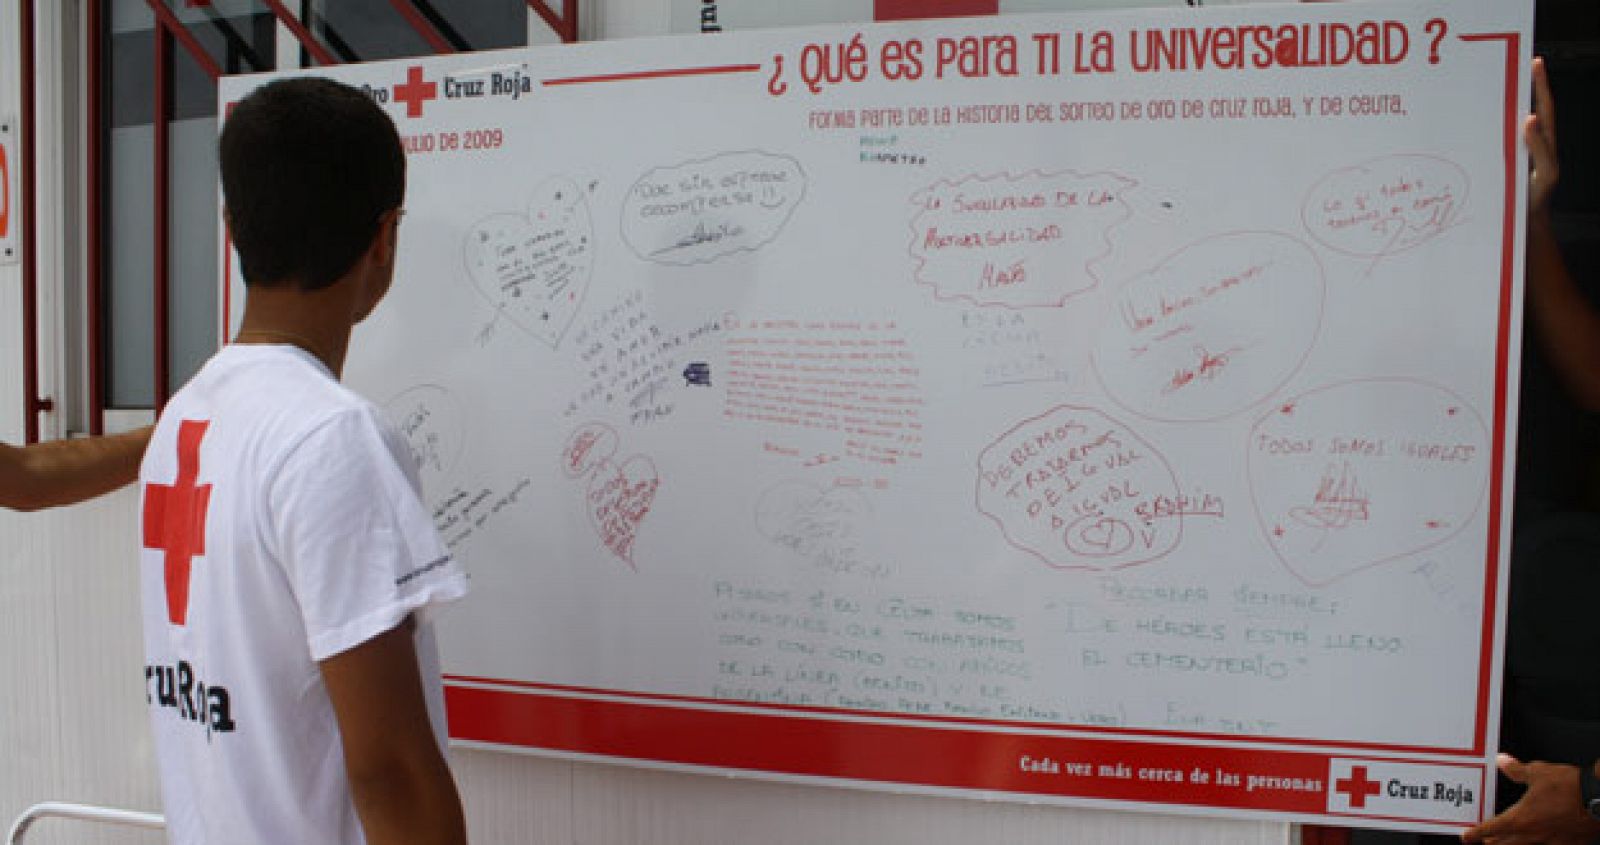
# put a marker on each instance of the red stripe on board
(956, 759)
(1508, 242)
(899, 10)
(654, 74)
(961, 721)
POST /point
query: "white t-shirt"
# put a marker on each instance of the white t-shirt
(281, 526)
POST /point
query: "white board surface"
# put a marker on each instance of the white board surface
(1037, 426)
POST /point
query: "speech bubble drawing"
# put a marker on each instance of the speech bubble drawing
(590, 446)
(1387, 205)
(1021, 241)
(1216, 328)
(619, 498)
(1079, 490)
(1356, 474)
(704, 210)
(434, 427)
(535, 269)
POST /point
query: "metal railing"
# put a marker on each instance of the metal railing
(82, 812)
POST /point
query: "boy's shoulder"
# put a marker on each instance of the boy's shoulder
(267, 400)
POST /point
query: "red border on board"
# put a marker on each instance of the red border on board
(665, 73)
(1502, 375)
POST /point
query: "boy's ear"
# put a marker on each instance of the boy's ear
(387, 239)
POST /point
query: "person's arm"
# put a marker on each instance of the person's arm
(1551, 811)
(399, 779)
(63, 472)
(1568, 327)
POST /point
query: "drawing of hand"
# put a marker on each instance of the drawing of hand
(1539, 130)
(1551, 811)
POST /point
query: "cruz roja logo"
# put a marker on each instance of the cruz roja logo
(179, 688)
(417, 89)
(505, 82)
(1360, 788)
(1454, 794)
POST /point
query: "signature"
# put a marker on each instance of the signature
(827, 529)
(703, 235)
(1181, 505)
(1207, 367)
(1402, 234)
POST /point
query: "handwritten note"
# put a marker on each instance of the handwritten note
(1078, 490)
(1214, 329)
(618, 494)
(534, 268)
(1356, 474)
(1386, 206)
(853, 384)
(831, 528)
(1029, 240)
(700, 211)
(431, 420)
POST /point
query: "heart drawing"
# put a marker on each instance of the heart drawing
(619, 499)
(535, 268)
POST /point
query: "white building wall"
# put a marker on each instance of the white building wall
(73, 723)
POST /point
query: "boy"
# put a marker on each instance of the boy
(288, 563)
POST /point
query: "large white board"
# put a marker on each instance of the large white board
(1048, 415)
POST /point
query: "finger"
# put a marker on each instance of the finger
(1544, 106)
(1512, 768)
(1492, 830)
(1539, 147)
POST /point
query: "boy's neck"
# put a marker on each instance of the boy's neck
(317, 321)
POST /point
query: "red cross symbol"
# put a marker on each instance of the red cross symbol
(414, 92)
(175, 519)
(1358, 787)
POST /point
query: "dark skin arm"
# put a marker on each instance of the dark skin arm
(1568, 327)
(1551, 812)
(63, 472)
(1569, 331)
(399, 779)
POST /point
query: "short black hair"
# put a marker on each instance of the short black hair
(309, 166)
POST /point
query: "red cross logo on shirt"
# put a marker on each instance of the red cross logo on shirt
(1358, 787)
(414, 91)
(175, 519)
